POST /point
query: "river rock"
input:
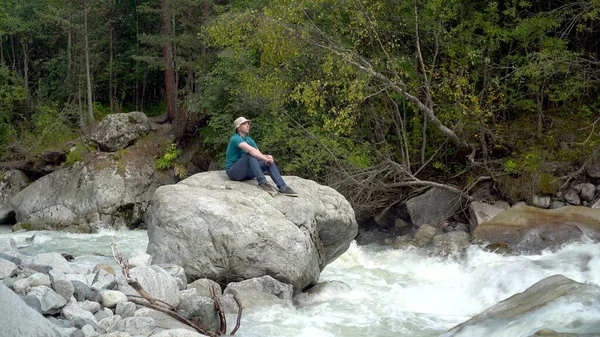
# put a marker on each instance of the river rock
(196, 306)
(424, 235)
(157, 282)
(433, 207)
(49, 301)
(100, 194)
(480, 212)
(572, 197)
(17, 319)
(554, 290)
(587, 191)
(117, 131)
(265, 284)
(205, 287)
(7, 269)
(9, 250)
(529, 229)
(451, 244)
(231, 231)
(7, 214)
(12, 183)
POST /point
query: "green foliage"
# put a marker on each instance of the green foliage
(48, 130)
(75, 155)
(168, 159)
(510, 166)
(548, 184)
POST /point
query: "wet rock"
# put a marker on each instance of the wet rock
(424, 235)
(420, 209)
(480, 212)
(451, 244)
(541, 201)
(531, 230)
(572, 197)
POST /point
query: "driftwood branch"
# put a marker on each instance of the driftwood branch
(148, 301)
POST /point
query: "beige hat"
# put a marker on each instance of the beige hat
(239, 121)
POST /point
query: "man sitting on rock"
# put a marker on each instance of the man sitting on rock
(245, 161)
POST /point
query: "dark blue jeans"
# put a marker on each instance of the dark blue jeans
(249, 167)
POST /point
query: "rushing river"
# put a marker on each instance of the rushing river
(377, 291)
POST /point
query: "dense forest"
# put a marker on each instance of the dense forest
(375, 98)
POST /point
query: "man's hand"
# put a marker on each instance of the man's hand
(269, 159)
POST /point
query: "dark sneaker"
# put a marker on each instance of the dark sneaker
(267, 188)
(288, 191)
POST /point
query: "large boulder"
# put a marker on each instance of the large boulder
(84, 198)
(529, 229)
(117, 131)
(553, 293)
(433, 207)
(232, 231)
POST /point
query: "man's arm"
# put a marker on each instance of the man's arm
(256, 153)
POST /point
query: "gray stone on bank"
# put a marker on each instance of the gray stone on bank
(73, 312)
(572, 197)
(205, 287)
(109, 323)
(195, 305)
(7, 269)
(177, 272)
(112, 298)
(424, 235)
(125, 309)
(421, 212)
(140, 260)
(480, 212)
(39, 279)
(157, 282)
(61, 284)
(103, 313)
(8, 249)
(541, 201)
(101, 279)
(136, 325)
(117, 131)
(50, 302)
(177, 333)
(90, 306)
(161, 320)
(53, 260)
(18, 319)
(265, 284)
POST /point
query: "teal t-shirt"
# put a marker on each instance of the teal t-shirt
(234, 153)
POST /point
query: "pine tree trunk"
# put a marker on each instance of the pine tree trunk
(88, 71)
(171, 93)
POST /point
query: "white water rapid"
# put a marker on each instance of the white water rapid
(378, 291)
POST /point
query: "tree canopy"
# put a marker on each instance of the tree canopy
(372, 97)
